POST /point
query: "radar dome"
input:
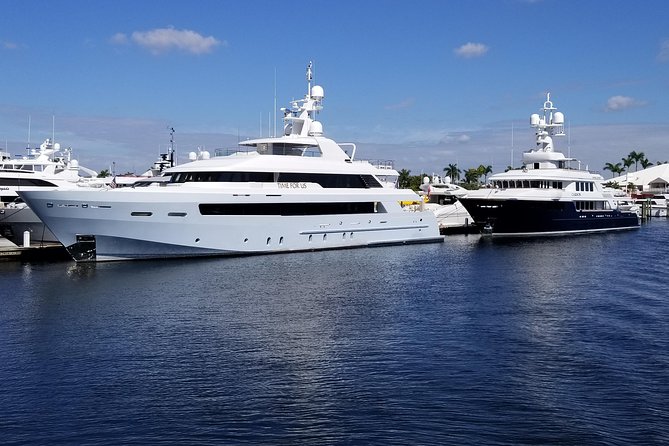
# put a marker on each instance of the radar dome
(56, 146)
(534, 120)
(205, 155)
(317, 92)
(558, 118)
(316, 128)
(192, 156)
(74, 164)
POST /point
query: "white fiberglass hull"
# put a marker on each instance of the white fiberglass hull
(120, 225)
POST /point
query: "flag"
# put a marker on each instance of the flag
(113, 183)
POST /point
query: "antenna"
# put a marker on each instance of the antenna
(29, 132)
(53, 129)
(512, 147)
(309, 77)
(172, 152)
(274, 102)
(569, 139)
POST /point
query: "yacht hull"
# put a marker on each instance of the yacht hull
(107, 226)
(517, 218)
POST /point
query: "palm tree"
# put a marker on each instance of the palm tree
(636, 157)
(404, 180)
(485, 170)
(645, 163)
(614, 168)
(453, 172)
(472, 175)
(627, 162)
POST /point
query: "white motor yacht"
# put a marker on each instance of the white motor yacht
(441, 196)
(547, 196)
(295, 192)
(47, 166)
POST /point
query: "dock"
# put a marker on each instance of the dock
(42, 252)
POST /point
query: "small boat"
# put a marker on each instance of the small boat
(655, 205)
(441, 196)
(547, 196)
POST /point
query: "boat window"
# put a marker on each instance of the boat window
(288, 209)
(288, 149)
(17, 182)
(526, 184)
(505, 184)
(324, 179)
(331, 180)
(593, 205)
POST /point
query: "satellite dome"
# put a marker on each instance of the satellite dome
(316, 129)
(317, 92)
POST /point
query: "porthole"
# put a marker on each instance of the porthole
(280, 240)
(269, 239)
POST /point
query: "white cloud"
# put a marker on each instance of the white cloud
(9, 45)
(406, 103)
(458, 138)
(470, 50)
(663, 55)
(163, 40)
(119, 39)
(619, 103)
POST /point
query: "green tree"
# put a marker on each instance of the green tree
(404, 182)
(104, 173)
(627, 162)
(645, 163)
(636, 157)
(472, 176)
(453, 172)
(485, 171)
(616, 168)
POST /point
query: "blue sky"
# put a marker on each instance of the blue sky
(423, 83)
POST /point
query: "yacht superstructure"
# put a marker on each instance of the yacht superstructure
(295, 192)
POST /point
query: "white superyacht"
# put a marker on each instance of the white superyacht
(296, 192)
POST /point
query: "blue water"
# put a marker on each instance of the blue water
(554, 341)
